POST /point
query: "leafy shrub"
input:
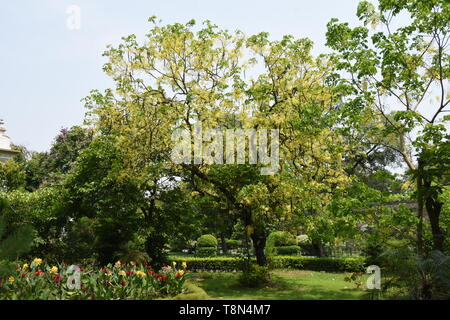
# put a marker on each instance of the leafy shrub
(254, 275)
(206, 251)
(233, 244)
(303, 239)
(13, 241)
(281, 239)
(288, 251)
(207, 240)
(422, 278)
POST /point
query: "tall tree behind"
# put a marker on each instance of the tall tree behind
(391, 72)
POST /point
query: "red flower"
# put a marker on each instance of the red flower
(84, 289)
(24, 275)
(164, 278)
(178, 275)
(150, 267)
(57, 279)
(38, 273)
(123, 283)
(105, 270)
(129, 273)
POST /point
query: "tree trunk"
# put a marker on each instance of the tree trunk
(318, 250)
(434, 210)
(259, 243)
(223, 242)
(420, 205)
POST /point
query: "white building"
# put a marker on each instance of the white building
(6, 152)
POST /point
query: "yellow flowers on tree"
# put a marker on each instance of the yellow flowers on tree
(182, 76)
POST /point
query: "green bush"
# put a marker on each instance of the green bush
(288, 251)
(233, 244)
(206, 251)
(228, 264)
(281, 239)
(254, 275)
(206, 241)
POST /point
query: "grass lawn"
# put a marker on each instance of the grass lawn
(286, 285)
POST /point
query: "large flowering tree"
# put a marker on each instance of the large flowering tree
(179, 77)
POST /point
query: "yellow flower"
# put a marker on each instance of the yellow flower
(180, 272)
(122, 273)
(118, 264)
(11, 280)
(174, 264)
(141, 274)
(54, 270)
(25, 266)
(184, 264)
(133, 263)
(37, 261)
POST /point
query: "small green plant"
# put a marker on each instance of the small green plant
(254, 275)
(355, 278)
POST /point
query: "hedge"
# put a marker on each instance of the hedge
(227, 264)
(288, 250)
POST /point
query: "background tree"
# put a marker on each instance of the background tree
(390, 72)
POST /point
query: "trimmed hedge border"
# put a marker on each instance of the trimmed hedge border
(228, 264)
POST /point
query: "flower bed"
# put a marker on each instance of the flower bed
(38, 280)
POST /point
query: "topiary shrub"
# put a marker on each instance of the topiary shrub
(233, 244)
(207, 246)
(281, 239)
(207, 241)
(281, 243)
(287, 251)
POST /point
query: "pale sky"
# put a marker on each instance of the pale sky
(46, 68)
